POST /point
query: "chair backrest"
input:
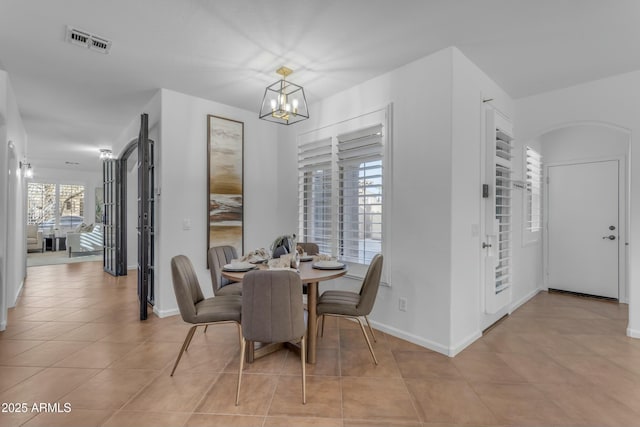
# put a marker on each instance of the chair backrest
(186, 287)
(219, 256)
(272, 309)
(370, 285)
(32, 230)
(310, 248)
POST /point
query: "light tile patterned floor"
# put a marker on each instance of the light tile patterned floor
(74, 338)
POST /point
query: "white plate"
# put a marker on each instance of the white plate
(306, 258)
(328, 265)
(257, 260)
(239, 266)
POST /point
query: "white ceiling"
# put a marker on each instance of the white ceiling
(74, 101)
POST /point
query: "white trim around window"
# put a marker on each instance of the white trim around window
(344, 184)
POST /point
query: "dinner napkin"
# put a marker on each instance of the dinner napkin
(283, 262)
(322, 257)
(257, 255)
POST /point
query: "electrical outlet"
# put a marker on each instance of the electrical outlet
(402, 304)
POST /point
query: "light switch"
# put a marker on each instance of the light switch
(186, 224)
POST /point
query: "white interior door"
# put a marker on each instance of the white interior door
(583, 228)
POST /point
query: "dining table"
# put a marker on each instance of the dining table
(311, 277)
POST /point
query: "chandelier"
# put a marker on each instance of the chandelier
(284, 102)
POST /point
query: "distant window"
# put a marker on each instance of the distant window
(534, 190)
(55, 206)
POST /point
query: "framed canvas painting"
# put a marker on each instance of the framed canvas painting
(225, 165)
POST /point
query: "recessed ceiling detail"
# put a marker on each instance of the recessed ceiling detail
(85, 39)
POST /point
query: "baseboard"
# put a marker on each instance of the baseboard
(3, 326)
(633, 333)
(18, 292)
(431, 345)
(165, 313)
(132, 267)
(514, 306)
(454, 350)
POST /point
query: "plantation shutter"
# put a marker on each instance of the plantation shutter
(534, 187)
(360, 156)
(315, 196)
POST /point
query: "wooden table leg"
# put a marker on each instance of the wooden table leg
(312, 322)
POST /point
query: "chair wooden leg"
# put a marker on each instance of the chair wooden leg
(191, 337)
(367, 339)
(303, 352)
(322, 327)
(185, 344)
(239, 333)
(243, 345)
(205, 328)
(370, 329)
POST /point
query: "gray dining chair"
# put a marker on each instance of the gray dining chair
(310, 248)
(354, 305)
(195, 308)
(218, 256)
(272, 312)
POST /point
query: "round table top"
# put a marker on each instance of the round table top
(308, 274)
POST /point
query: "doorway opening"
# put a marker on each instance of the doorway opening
(586, 209)
(140, 153)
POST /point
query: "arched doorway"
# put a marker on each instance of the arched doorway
(115, 214)
(586, 208)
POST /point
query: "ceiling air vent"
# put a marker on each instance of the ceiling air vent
(88, 40)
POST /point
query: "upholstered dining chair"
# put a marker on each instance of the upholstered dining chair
(355, 305)
(309, 248)
(196, 309)
(219, 256)
(272, 312)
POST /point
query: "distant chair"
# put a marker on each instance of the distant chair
(355, 305)
(196, 309)
(272, 312)
(34, 238)
(310, 248)
(218, 257)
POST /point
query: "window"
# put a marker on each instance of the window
(41, 204)
(315, 193)
(360, 197)
(533, 198)
(341, 188)
(54, 206)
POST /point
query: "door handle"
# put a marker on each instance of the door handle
(610, 237)
(485, 245)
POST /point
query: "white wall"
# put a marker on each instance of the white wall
(526, 253)
(181, 179)
(13, 139)
(583, 142)
(432, 256)
(613, 101)
(470, 87)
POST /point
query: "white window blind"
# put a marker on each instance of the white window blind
(534, 189)
(315, 193)
(503, 205)
(360, 155)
